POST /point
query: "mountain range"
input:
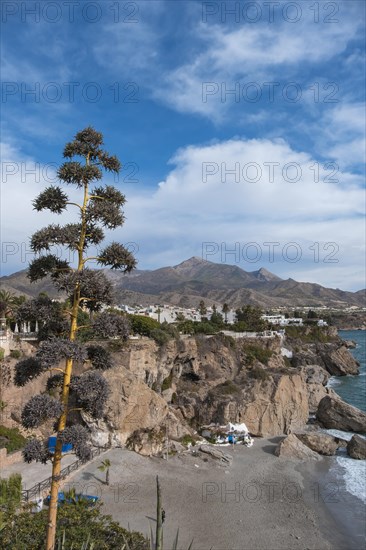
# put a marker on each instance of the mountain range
(196, 279)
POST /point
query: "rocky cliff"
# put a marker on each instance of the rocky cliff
(167, 392)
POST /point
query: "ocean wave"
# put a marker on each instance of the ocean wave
(354, 475)
(333, 381)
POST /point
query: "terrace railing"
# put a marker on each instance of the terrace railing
(37, 490)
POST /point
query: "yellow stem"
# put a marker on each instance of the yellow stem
(56, 463)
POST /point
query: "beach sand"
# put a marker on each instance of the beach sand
(258, 502)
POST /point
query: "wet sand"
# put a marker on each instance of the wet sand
(259, 502)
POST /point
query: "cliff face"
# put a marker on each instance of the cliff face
(214, 380)
(161, 393)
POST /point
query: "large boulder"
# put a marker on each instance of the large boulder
(321, 443)
(292, 447)
(356, 447)
(335, 413)
(340, 362)
(276, 407)
(350, 344)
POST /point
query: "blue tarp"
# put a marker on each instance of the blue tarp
(61, 498)
(52, 445)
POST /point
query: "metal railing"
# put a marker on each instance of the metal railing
(39, 488)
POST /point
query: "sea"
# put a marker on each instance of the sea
(352, 389)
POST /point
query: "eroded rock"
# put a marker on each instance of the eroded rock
(335, 413)
(340, 362)
(356, 447)
(321, 443)
(216, 453)
(292, 447)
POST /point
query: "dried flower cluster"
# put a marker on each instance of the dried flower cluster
(110, 325)
(36, 450)
(100, 208)
(39, 409)
(100, 358)
(78, 437)
(92, 392)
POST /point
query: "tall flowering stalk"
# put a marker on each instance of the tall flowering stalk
(99, 208)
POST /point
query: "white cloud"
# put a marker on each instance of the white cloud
(343, 133)
(191, 207)
(187, 210)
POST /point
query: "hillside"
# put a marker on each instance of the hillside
(195, 279)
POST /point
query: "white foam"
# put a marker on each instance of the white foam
(342, 435)
(333, 381)
(354, 476)
(339, 433)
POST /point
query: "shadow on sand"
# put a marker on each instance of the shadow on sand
(89, 476)
(270, 449)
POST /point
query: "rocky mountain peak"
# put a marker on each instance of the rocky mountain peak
(266, 276)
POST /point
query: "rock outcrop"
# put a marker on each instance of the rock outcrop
(292, 447)
(273, 406)
(133, 407)
(217, 454)
(356, 447)
(333, 357)
(276, 407)
(316, 378)
(159, 394)
(340, 362)
(335, 413)
(350, 344)
(321, 443)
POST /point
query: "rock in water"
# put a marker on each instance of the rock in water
(292, 447)
(320, 443)
(341, 362)
(356, 447)
(335, 413)
(350, 344)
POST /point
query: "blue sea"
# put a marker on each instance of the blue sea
(352, 389)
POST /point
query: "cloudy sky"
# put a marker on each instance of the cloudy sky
(240, 125)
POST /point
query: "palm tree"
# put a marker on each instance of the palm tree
(6, 303)
(202, 308)
(225, 310)
(104, 467)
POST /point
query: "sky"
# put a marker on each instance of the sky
(240, 127)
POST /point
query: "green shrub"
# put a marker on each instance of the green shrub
(143, 325)
(11, 492)
(186, 439)
(15, 353)
(167, 382)
(259, 374)
(116, 344)
(2, 353)
(309, 334)
(79, 525)
(161, 337)
(258, 353)
(11, 439)
(205, 327)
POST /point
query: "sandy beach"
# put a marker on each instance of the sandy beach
(258, 502)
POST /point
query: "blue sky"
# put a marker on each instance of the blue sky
(241, 127)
